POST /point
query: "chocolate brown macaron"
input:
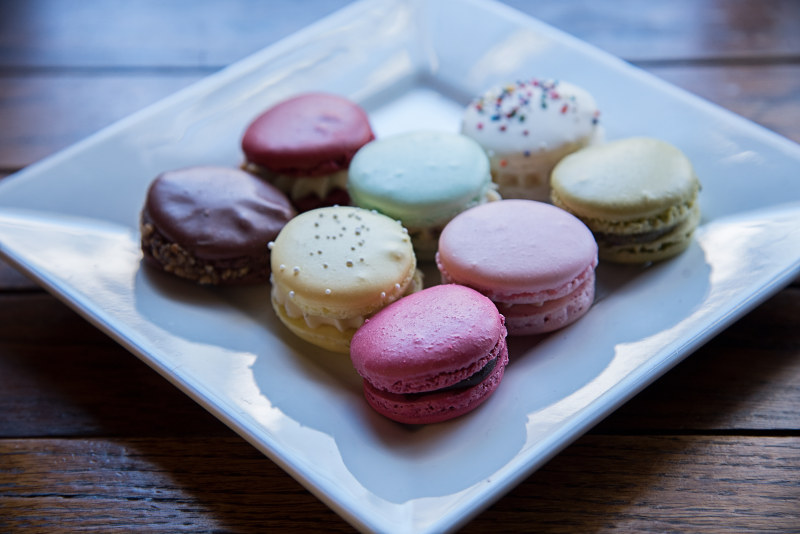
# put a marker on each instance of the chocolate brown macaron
(212, 225)
(303, 146)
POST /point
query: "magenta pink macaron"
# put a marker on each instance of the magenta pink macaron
(431, 356)
(535, 261)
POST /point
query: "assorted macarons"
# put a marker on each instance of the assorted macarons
(423, 179)
(639, 196)
(535, 261)
(431, 356)
(303, 146)
(527, 127)
(334, 267)
(345, 278)
(211, 224)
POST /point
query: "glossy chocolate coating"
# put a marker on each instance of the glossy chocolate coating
(216, 213)
(313, 134)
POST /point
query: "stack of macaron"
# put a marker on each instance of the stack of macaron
(211, 224)
(639, 196)
(303, 146)
(527, 127)
(334, 267)
(535, 261)
(516, 209)
(431, 356)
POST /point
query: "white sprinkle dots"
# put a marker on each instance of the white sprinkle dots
(327, 291)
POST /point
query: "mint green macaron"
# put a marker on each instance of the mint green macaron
(423, 179)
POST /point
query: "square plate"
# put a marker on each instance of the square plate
(71, 222)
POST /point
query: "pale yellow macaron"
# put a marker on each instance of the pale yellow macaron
(334, 267)
(638, 196)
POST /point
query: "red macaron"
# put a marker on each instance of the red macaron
(431, 356)
(303, 146)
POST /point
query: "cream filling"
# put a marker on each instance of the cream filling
(293, 311)
(426, 240)
(297, 188)
(671, 217)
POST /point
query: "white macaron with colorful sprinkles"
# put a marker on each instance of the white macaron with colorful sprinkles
(529, 126)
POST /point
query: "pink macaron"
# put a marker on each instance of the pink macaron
(431, 356)
(535, 261)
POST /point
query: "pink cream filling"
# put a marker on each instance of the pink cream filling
(537, 298)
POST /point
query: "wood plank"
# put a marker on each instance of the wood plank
(43, 114)
(63, 377)
(768, 95)
(107, 33)
(46, 113)
(148, 33)
(93, 390)
(679, 30)
(655, 483)
(184, 484)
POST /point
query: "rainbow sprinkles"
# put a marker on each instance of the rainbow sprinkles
(514, 103)
(526, 127)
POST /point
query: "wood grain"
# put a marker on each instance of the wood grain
(658, 484)
(651, 483)
(93, 439)
(742, 380)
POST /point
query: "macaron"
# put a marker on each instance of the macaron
(303, 146)
(639, 196)
(212, 224)
(431, 356)
(535, 261)
(423, 179)
(527, 127)
(333, 267)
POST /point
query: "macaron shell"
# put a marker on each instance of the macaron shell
(342, 261)
(428, 340)
(624, 180)
(308, 135)
(530, 319)
(422, 178)
(435, 407)
(216, 212)
(516, 246)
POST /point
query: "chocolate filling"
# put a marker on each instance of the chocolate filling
(467, 383)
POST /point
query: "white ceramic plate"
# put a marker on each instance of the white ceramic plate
(70, 221)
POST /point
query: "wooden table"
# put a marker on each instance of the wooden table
(91, 438)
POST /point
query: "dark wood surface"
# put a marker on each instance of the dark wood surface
(93, 439)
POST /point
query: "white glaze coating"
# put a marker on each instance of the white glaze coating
(530, 116)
